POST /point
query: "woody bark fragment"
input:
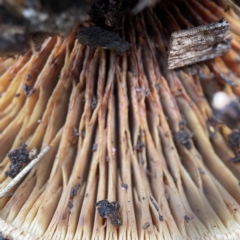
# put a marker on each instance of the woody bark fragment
(199, 44)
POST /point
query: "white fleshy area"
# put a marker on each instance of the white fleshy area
(12, 233)
(15, 234)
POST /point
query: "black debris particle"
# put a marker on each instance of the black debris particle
(160, 217)
(124, 185)
(110, 211)
(229, 115)
(234, 139)
(70, 205)
(17, 156)
(237, 158)
(105, 13)
(234, 142)
(157, 208)
(147, 92)
(94, 148)
(201, 75)
(154, 204)
(10, 194)
(186, 218)
(94, 103)
(192, 70)
(74, 190)
(184, 138)
(115, 219)
(201, 171)
(26, 89)
(17, 94)
(33, 90)
(28, 77)
(182, 123)
(104, 207)
(227, 9)
(98, 37)
(75, 132)
(139, 146)
(133, 71)
(146, 225)
(213, 122)
(226, 79)
(156, 87)
(83, 132)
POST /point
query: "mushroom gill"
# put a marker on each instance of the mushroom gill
(122, 127)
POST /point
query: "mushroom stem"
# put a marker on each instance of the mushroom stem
(18, 178)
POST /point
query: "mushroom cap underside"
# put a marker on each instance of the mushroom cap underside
(122, 127)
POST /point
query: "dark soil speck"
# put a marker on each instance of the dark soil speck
(184, 138)
(17, 156)
(74, 190)
(186, 218)
(146, 225)
(26, 89)
(110, 210)
(124, 185)
(234, 139)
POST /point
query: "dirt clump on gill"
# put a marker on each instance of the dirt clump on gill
(17, 157)
(110, 210)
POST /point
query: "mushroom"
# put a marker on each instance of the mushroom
(123, 128)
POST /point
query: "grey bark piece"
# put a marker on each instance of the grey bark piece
(98, 37)
(199, 44)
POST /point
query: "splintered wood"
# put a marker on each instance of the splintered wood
(23, 173)
(199, 44)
